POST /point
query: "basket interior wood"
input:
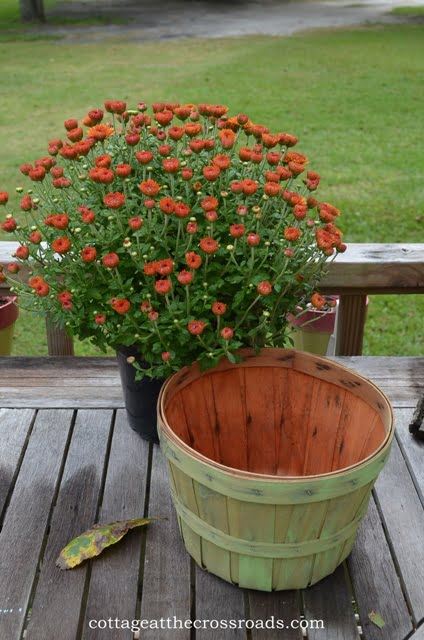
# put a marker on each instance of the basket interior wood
(275, 420)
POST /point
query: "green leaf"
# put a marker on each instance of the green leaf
(376, 619)
(231, 357)
(92, 542)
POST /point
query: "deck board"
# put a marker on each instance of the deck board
(375, 581)
(27, 517)
(330, 601)
(167, 567)
(60, 472)
(403, 517)
(73, 382)
(74, 512)
(14, 429)
(115, 575)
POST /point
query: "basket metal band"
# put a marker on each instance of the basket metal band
(265, 549)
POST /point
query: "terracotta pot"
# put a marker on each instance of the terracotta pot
(8, 315)
(272, 462)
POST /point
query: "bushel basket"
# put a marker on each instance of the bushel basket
(272, 462)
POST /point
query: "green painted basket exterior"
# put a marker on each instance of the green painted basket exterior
(270, 532)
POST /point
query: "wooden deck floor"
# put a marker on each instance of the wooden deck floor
(68, 459)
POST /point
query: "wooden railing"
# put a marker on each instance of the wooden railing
(363, 270)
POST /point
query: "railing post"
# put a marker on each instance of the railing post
(351, 319)
(58, 342)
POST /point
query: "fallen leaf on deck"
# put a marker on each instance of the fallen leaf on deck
(376, 619)
(92, 542)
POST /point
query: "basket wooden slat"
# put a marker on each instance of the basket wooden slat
(272, 464)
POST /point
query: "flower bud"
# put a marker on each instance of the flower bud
(230, 247)
(19, 189)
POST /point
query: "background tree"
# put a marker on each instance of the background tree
(32, 10)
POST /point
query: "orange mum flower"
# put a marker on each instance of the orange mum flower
(115, 106)
(185, 277)
(167, 205)
(121, 305)
(317, 301)
(219, 308)
(88, 254)
(209, 203)
(208, 245)
(227, 137)
(221, 161)
(111, 260)
(150, 268)
(272, 189)
(22, 252)
(170, 165)
(114, 200)
(192, 129)
(249, 187)
(165, 267)
(61, 245)
(264, 288)
(100, 132)
(292, 234)
(293, 156)
(211, 173)
(193, 260)
(149, 187)
(196, 327)
(163, 286)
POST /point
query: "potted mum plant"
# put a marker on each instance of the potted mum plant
(8, 316)
(312, 327)
(173, 235)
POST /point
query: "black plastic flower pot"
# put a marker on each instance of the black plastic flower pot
(140, 397)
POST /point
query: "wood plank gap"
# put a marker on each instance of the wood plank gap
(46, 533)
(351, 588)
(144, 532)
(416, 634)
(394, 558)
(247, 613)
(302, 611)
(192, 598)
(84, 598)
(418, 489)
(17, 470)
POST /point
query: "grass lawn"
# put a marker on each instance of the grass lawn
(408, 11)
(11, 27)
(353, 97)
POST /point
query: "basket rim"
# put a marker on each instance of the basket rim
(165, 429)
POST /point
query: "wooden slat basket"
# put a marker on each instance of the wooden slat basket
(272, 462)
